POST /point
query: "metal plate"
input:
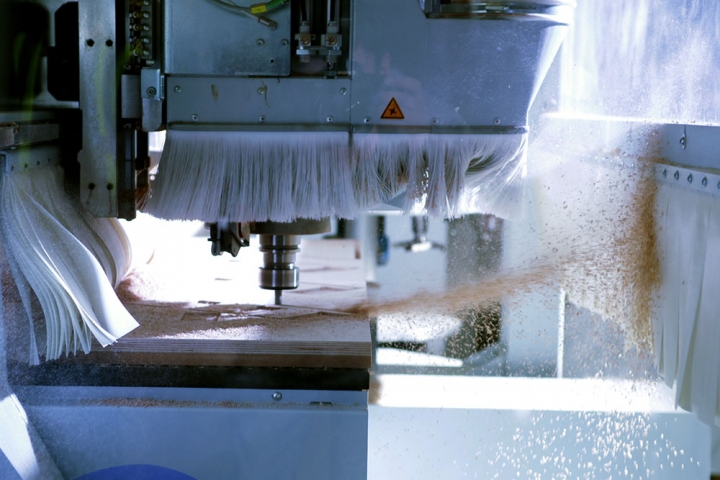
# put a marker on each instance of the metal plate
(202, 38)
(694, 146)
(696, 180)
(207, 434)
(304, 101)
(27, 134)
(213, 377)
(446, 72)
(19, 159)
(98, 90)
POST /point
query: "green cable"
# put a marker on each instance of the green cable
(267, 6)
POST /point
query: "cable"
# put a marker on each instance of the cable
(254, 10)
(267, 6)
(230, 5)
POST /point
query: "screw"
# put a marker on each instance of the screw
(178, 89)
(367, 120)
(261, 90)
(262, 118)
(435, 121)
(331, 40)
(343, 91)
(496, 121)
(704, 182)
(277, 396)
(329, 119)
(151, 91)
(259, 42)
(305, 39)
(195, 117)
(284, 42)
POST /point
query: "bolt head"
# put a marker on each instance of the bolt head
(284, 42)
(261, 119)
(343, 91)
(178, 89)
(367, 120)
(277, 396)
(195, 117)
(329, 119)
(151, 91)
(259, 42)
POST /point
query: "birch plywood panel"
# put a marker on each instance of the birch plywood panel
(306, 332)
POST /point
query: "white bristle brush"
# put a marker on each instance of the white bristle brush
(71, 260)
(236, 176)
(253, 176)
(687, 331)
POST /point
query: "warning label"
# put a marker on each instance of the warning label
(392, 111)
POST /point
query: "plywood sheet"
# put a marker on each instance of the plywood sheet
(202, 327)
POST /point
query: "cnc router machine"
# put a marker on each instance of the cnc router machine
(359, 102)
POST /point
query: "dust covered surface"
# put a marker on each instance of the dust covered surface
(240, 322)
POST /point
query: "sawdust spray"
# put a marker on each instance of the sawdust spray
(591, 232)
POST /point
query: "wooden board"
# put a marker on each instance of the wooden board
(204, 330)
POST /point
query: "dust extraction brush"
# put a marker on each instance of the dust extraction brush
(230, 176)
(687, 327)
(252, 176)
(442, 175)
(71, 260)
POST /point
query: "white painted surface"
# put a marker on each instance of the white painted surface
(502, 428)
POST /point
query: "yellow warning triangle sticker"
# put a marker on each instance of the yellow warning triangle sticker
(392, 111)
